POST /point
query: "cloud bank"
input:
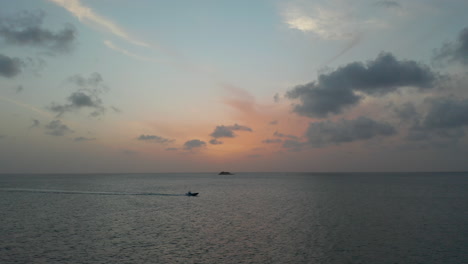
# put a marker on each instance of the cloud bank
(325, 133)
(336, 91)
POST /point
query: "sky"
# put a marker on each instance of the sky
(105, 86)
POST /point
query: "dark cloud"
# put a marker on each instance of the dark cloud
(10, 67)
(318, 101)
(445, 118)
(335, 91)
(227, 131)
(388, 4)
(222, 131)
(193, 144)
(407, 112)
(25, 29)
(81, 139)
(215, 142)
(446, 113)
(78, 100)
(87, 96)
(327, 133)
(239, 127)
(454, 51)
(57, 128)
(155, 139)
(272, 141)
(281, 135)
(293, 145)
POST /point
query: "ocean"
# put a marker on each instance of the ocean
(241, 218)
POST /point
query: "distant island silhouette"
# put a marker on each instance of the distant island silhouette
(225, 173)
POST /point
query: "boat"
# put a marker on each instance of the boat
(191, 194)
(225, 173)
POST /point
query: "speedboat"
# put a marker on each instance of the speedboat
(191, 194)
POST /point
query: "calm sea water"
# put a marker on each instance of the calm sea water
(242, 218)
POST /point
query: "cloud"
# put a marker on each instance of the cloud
(81, 139)
(194, 144)
(444, 118)
(325, 133)
(446, 113)
(112, 46)
(274, 122)
(155, 139)
(57, 128)
(227, 131)
(116, 109)
(407, 112)
(19, 88)
(293, 145)
(222, 131)
(78, 100)
(215, 142)
(9, 67)
(332, 20)
(36, 123)
(172, 149)
(281, 135)
(324, 22)
(454, 51)
(272, 141)
(335, 91)
(25, 29)
(276, 98)
(87, 96)
(93, 81)
(84, 13)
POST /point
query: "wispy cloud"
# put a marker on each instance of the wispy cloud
(155, 139)
(334, 20)
(86, 14)
(112, 46)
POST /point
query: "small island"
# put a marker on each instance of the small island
(225, 173)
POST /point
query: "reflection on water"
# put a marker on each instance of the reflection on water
(242, 218)
(82, 192)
